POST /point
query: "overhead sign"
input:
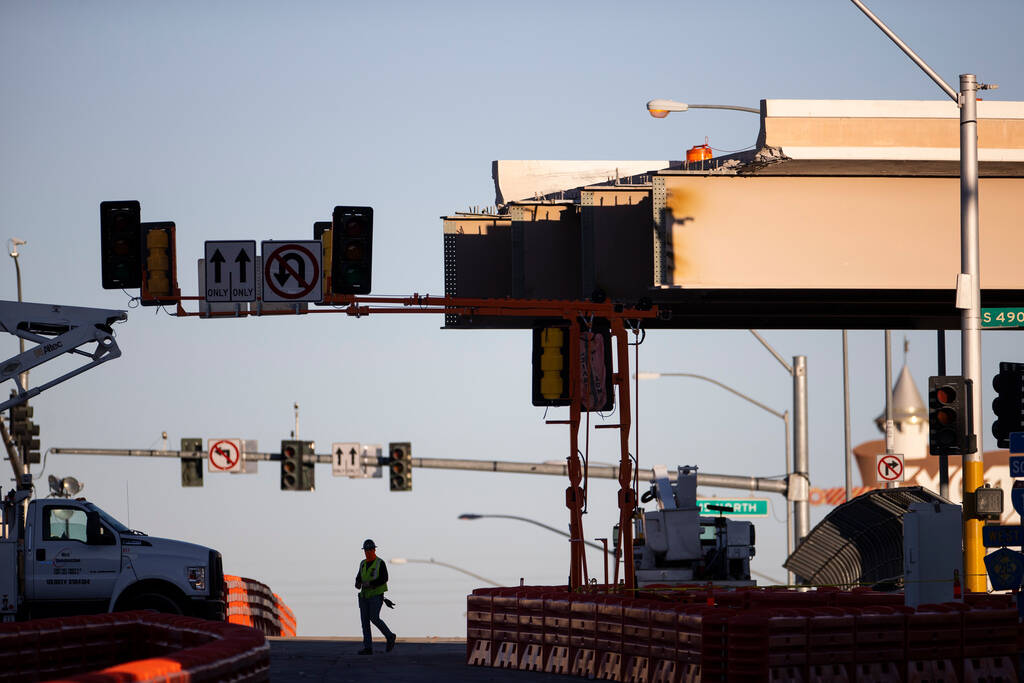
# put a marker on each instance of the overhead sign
(1017, 465)
(741, 507)
(889, 468)
(292, 271)
(1002, 317)
(1016, 446)
(346, 459)
(230, 270)
(1017, 497)
(1005, 569)
(1001, 535)
(224, 455)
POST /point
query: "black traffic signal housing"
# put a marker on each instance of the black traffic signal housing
(950, 424)
(25, 432)
(297, 475)
(121, 245)
(192, 457)
(351, 249)
(159, 281)
(1008, 405)
(400, 466)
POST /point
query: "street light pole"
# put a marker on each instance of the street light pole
(405, 560)
(13, 244)
(968, 285)
(473, 515)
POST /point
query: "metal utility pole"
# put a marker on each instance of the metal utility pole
(846, 417)
(890, 426)
(968, 286)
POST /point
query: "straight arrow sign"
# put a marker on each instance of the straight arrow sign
(230, 271)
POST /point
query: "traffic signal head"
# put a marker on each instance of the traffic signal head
(291, 465)
(400, 465)
(1008, 405)
(296, 475)
(351, 249)
(120, 245)
(159, 271)
(950, 426)
(551, 366)
(192, 462)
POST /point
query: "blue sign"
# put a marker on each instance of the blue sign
(1000, 536)
(1016, 446)
(1016, 464)
(1017, 497)
(1005, 569)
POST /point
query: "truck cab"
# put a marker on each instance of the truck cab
(71, 557)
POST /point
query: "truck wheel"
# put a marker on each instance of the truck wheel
(157, 602)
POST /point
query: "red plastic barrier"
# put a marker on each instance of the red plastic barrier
(252, 603)
(215, 651)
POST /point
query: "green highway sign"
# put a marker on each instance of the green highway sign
(1002, 317)
(741, 507)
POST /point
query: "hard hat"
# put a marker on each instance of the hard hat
(368, 544)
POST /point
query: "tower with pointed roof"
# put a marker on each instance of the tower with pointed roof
(910, 417)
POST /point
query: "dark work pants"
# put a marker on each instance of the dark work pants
(369, 612)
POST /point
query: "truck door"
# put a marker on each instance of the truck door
(66, 566)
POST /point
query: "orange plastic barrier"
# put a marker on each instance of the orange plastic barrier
(252, 603)
(92, 649)
(705, 633)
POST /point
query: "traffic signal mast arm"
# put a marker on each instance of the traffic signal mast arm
(56, 330)
(501, 466)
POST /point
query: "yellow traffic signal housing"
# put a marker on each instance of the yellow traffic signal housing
(159, 269)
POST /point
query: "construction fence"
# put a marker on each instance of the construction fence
(709, 634)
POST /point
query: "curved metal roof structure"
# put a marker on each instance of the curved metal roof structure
(860, 542)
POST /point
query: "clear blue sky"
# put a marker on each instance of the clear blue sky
(251, 120)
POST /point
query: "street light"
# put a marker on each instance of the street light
(659, 109)
(406, 560)
(12, 249)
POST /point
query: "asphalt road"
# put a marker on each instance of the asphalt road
(417, 660)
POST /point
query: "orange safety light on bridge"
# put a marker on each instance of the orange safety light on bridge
(698, 153)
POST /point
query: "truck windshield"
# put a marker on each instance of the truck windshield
(110, 521)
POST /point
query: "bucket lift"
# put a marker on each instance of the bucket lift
(55, 330)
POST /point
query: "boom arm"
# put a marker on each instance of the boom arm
(56, 330)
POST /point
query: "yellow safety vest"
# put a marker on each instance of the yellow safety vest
(368, 573)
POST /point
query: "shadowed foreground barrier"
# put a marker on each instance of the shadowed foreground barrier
(125, 647)
(746, 634)
(252, 603)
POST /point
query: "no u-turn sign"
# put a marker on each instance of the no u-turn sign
(292, 271)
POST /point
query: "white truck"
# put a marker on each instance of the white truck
(61, 556)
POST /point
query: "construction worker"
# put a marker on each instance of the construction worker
(372, 582)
